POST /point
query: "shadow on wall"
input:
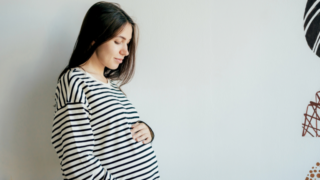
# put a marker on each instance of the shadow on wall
(31, 154)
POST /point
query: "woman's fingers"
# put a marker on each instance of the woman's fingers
(137, 127)
(146, 141)
(142, 138)
(140, 132)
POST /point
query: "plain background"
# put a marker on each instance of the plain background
(223, 84)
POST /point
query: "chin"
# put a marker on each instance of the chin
(113, 67)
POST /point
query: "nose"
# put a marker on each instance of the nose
(124, 51)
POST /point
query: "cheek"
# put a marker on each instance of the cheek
(114, 50)
(110, 50)
(103, 53)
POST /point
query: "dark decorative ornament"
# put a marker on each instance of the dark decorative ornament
(312, 25)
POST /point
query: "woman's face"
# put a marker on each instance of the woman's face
(111, 53)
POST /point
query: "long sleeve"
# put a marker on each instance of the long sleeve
(91, 132)
(72, 135)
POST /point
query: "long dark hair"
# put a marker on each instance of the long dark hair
(102, 22)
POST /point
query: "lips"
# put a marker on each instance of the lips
(119, 60)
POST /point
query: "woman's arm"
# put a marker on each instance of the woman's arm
(72, 135)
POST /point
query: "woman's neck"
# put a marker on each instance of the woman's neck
(93, 66)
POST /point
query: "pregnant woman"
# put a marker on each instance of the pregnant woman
(97, 133)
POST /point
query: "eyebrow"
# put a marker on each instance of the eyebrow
(123, 37)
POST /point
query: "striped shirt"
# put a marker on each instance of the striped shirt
(91, 131)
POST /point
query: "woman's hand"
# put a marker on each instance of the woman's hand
(141, 132)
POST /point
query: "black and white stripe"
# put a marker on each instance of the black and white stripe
(312, 25)
(91, 132)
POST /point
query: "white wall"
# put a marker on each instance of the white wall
(223, 84)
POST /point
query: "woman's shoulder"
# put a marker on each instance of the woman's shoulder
(78, 76)
(71, 81)
(70, 75)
